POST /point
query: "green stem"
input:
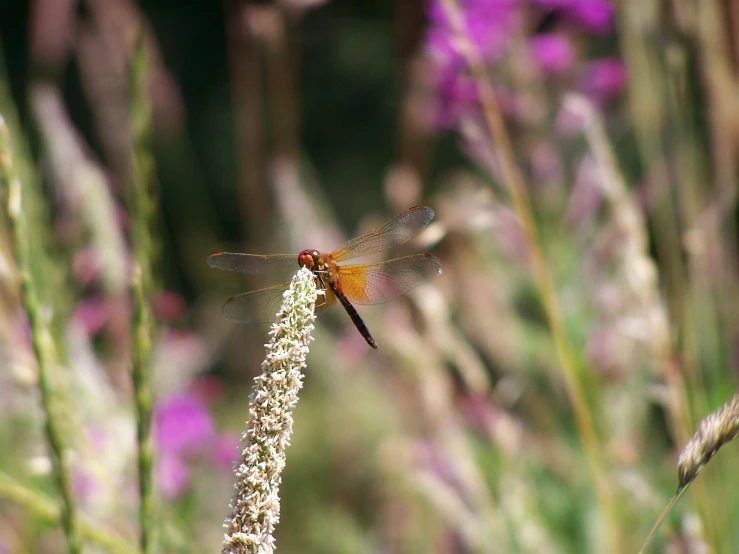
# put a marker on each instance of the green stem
(141, 329)
(41, 338)
(46, 509)
(141, 210)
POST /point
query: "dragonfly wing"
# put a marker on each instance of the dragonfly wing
(397, 231)
(374, 284)
(254, 263)
(259, 306)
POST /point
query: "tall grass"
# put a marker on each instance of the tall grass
(142, 210)
(50, 373)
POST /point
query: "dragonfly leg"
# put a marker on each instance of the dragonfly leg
(322, 285)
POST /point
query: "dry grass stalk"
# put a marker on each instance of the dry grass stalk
(714, 431)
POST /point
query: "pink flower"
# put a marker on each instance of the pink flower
(182, 424)
(172, 475)
(169, 306)
(91, 316)
(595, 16)
(487, 25)
(592, 16)
(553, 53)
(553, 4)
(603, 80)
(86, 265)
(182, 427)
(224, 451)
(484, 21)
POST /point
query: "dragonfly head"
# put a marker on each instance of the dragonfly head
(310, 259)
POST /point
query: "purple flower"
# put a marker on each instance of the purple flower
(169, 306)
(83, 484)
(486, 24)
(553, 4)
(87, 266)
(484, 21)
(91, 315)
(172, 475)
(488, 27)
(456, 97)
(595, 16)
(182, 424)
(592, 16)
(604, 79)
(182, 427)
(224, 451)
(553, 53)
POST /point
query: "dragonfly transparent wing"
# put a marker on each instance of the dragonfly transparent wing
(374, 284)
(254, 263)
(395, 232)
(258, 306)
(261, 306)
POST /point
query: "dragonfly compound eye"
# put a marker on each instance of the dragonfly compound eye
(307, 259)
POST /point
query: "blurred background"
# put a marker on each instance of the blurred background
(532, 398)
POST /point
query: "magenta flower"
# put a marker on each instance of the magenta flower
(595, 16)
(169, 306)
(553, 53)
(486, 24)
(182, 424)
(172, 475)
(553, 4)
(86, 266)
(603, 80)
(91, 315)
(488, 27)
(225, 451)
(456, 97)
(182, 427)
(592, 16)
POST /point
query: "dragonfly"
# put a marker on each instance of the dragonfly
(350, 284)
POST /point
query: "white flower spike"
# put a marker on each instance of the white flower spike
(255, 508)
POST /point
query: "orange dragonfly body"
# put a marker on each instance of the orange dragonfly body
(350, 284)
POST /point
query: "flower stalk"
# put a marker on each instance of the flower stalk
(44, 347)
(714, 431)
(255, 508)
(142, 215)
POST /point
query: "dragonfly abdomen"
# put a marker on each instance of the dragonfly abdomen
(353, 314)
